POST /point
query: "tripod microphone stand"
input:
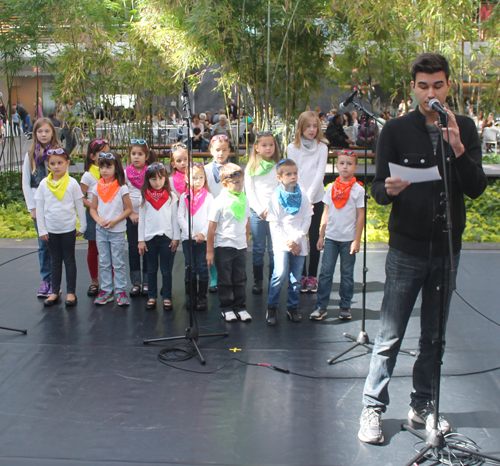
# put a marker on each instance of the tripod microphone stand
(435, 439)
(362, 339)
(192, 331)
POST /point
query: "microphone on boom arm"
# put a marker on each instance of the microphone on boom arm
(344, 105)
(437, 107)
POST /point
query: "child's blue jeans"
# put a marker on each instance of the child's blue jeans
(111, 247)
(286, 264)
(332, 250)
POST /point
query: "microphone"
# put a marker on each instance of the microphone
(436, 106)
(344, 104)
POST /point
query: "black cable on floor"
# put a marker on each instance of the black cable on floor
(187, 351)
(474, 309)
(18, 257)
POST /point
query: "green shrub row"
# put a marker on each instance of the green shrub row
(483, 214)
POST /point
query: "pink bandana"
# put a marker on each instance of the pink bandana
(197, 200)
(136, 178)
(179, 181)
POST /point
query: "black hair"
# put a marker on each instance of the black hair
(119, 173)
(430, 63)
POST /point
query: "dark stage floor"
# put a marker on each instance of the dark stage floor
(82, 389)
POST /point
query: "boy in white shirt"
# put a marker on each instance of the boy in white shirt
(227, 240)
(289, 218)
(341, 227)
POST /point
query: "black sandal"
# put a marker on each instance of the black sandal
(167, 307)
(151, 304)
(135, 291)
(93, 290)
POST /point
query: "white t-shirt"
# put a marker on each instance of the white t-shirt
(29, 192)
(199, 221)
(341, 225)
(215, 188)
(59, 216)
(259, 189)
(135, 194)
(285, 227)
(312, 166)
(160, 222)
(230, 233)
(113, 209)
(89, 181)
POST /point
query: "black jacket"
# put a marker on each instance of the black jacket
(336, 135)
(413, 224)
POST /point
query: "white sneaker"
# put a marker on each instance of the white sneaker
(370, 429)
(425, 416)
(244, 316)
(230, 316)
(318, 314)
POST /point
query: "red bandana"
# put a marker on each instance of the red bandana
(107, 191)
(341, 191)
(157, 197)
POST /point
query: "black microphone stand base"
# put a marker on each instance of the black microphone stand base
(361, 340)
(191, 335)
(25, 332)
(435, 440)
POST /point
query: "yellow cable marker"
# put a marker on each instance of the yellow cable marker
(234, 349)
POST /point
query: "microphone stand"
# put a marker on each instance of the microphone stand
(435, 439)
(192, 331)
(362, 339)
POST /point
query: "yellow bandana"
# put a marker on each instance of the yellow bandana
(95, 172)
(58, 188)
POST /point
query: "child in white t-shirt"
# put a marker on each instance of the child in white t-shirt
(89, 180)
(201, 202)
(289, 216)
(111, 206)
(57, 197)
(341, 227)
(227, 240)
(159, 232)
(219, 148)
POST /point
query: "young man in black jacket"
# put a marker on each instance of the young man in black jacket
(414, 262)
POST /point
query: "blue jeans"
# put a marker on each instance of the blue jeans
(283, 260)
(199, 267)
(406, 275)
(134, 258)
(260, 234)
(160, 246)
(331, 251)
(44, 258)
(111, 247)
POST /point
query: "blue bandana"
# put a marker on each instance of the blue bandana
(289, 201)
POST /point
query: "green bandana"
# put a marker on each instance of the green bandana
(237, 203)
(263, 169)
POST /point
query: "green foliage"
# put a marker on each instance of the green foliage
(11, 189)
(15, 222)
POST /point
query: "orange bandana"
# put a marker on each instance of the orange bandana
(107, 191)
(341, 191)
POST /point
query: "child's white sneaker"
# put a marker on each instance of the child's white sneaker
(229, 316)
(244, 316)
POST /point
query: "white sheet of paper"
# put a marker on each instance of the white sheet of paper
(414, 175)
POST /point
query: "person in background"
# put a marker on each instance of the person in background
(54, 120)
